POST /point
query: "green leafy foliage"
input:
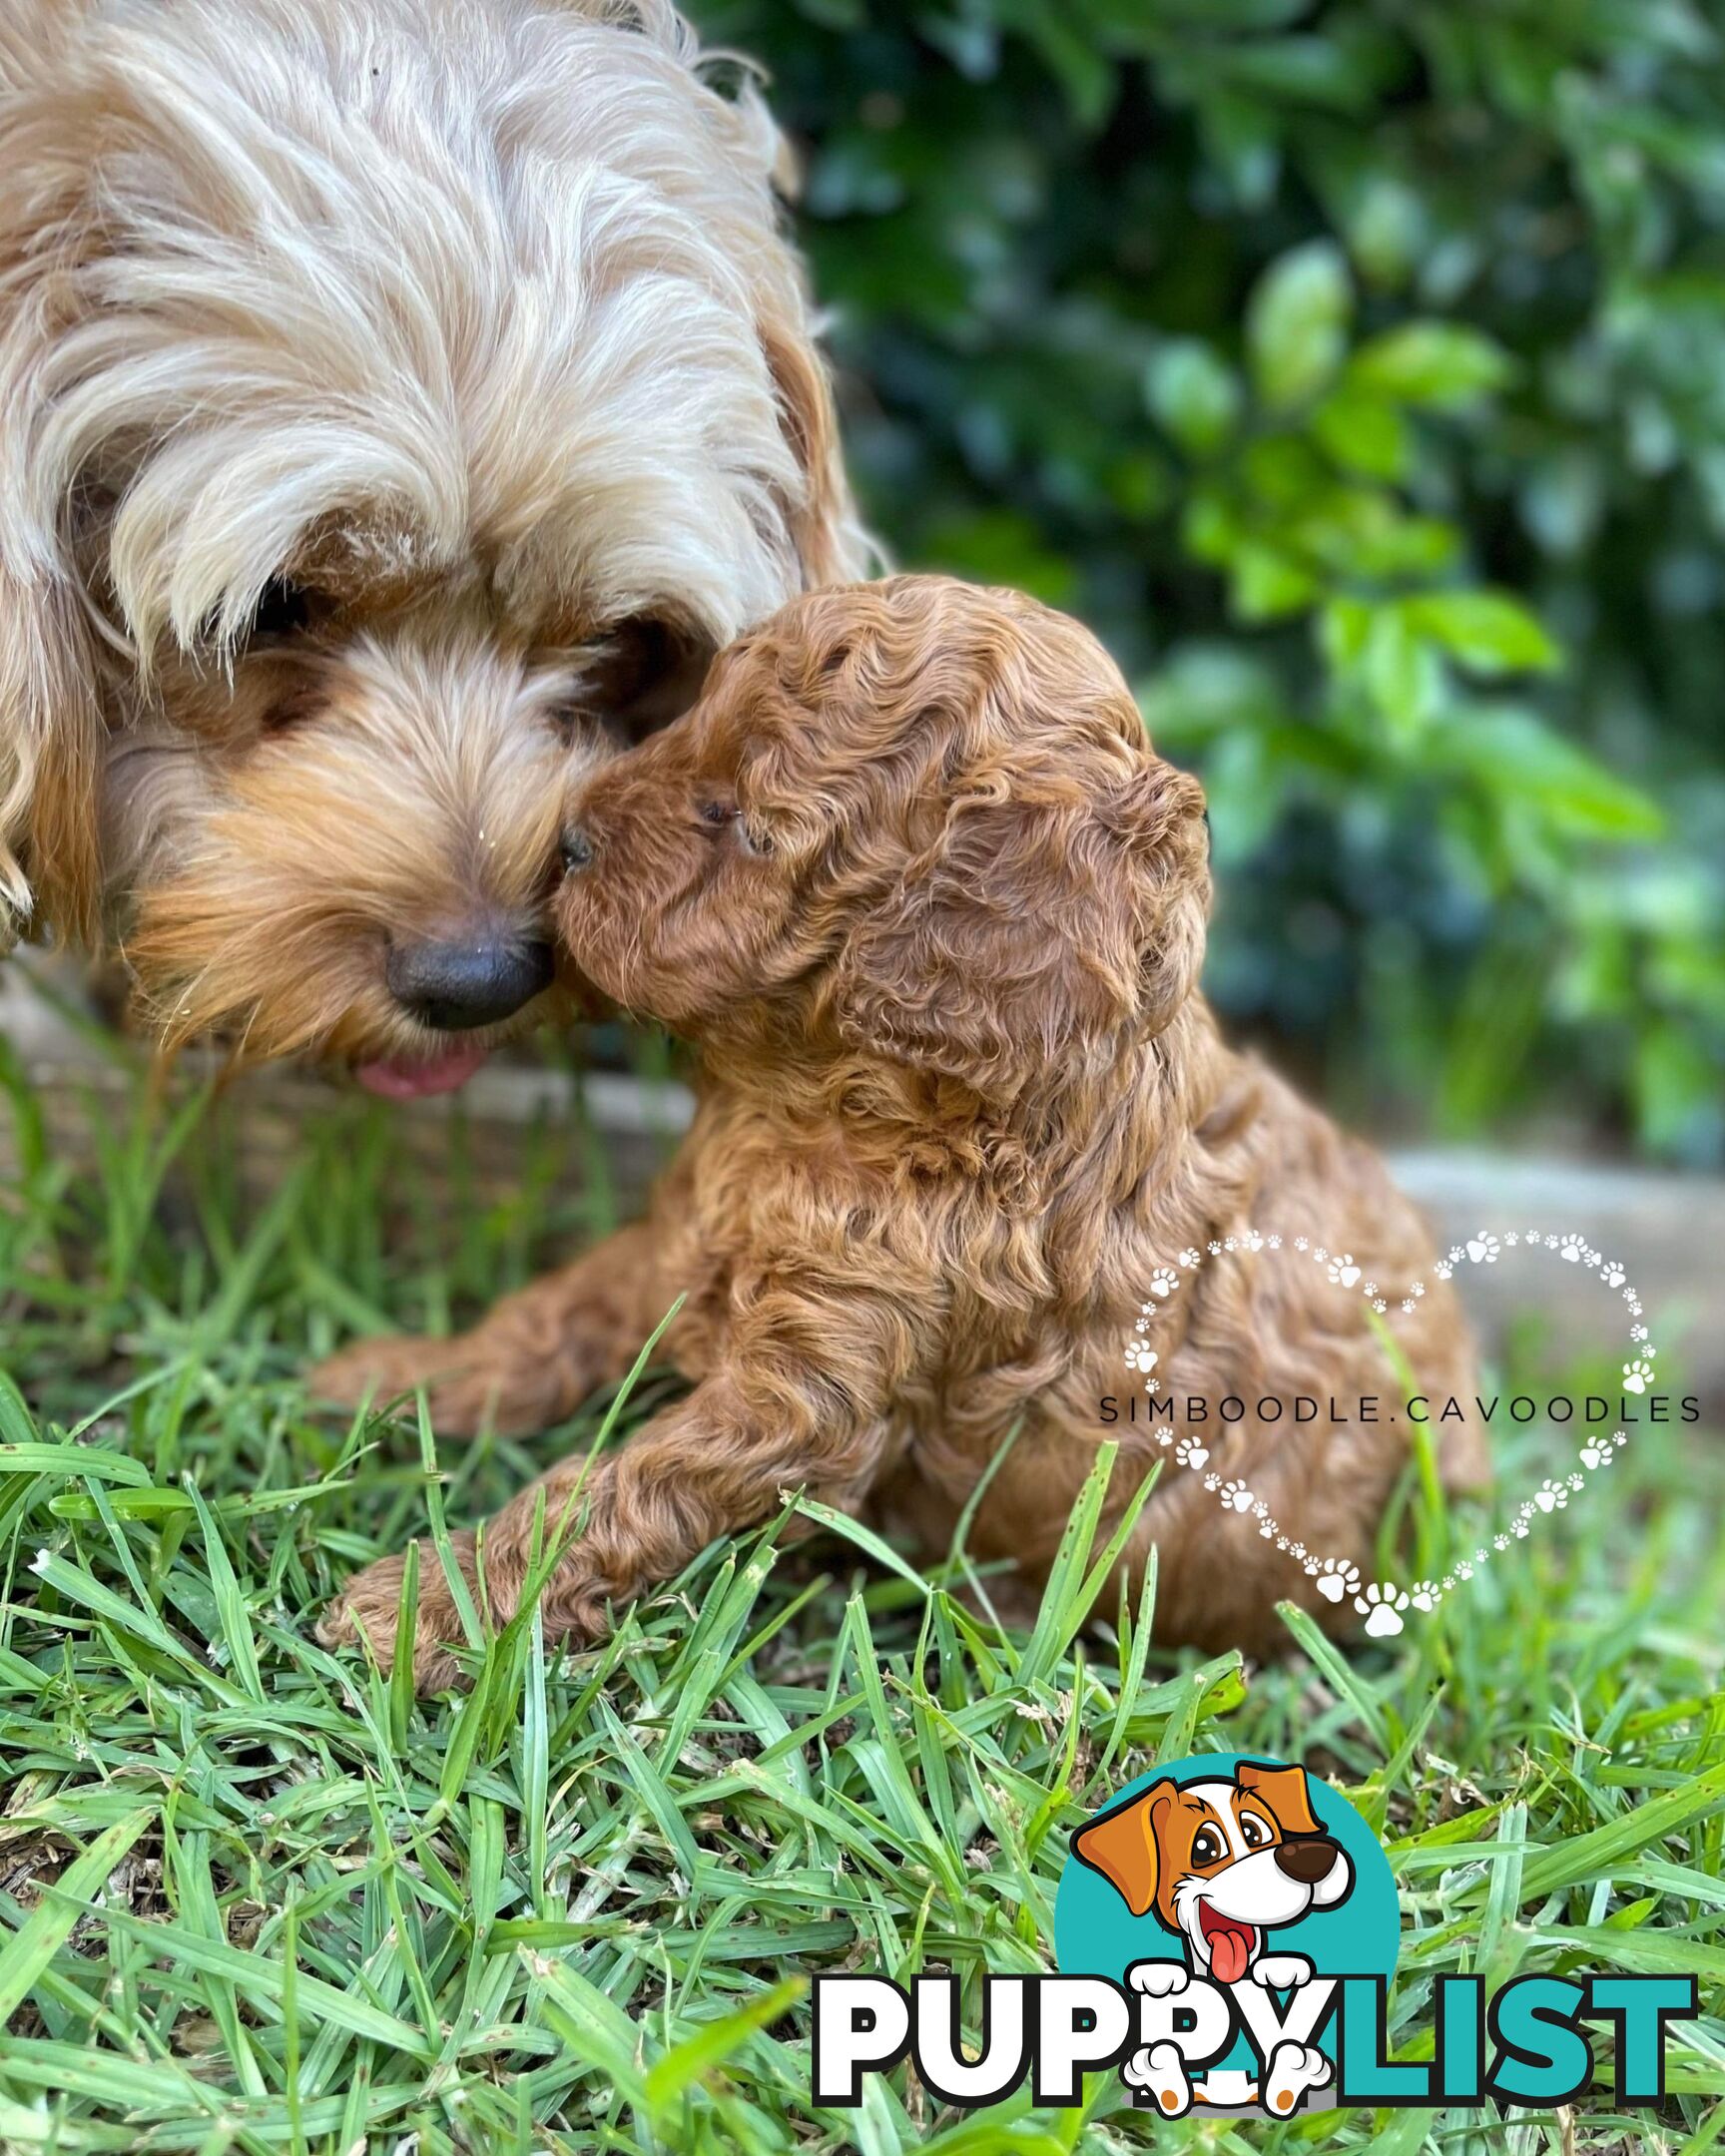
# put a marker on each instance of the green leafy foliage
(1358, 371)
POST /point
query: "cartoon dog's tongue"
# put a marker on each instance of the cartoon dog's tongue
(402, 1078)
(1230, 1945)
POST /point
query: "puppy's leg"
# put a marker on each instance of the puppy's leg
(797, 1399)
(531, 1359)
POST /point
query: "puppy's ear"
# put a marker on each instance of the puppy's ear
(1284, 1790)
(50, 743)
(1122, 1845)
(1033, 933)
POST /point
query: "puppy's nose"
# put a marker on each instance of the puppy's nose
(1307, 1860)
(469, 981)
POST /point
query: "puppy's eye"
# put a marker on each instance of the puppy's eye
(1207, 1846)
(283, 609)
(1253, 1831)
(718, 814)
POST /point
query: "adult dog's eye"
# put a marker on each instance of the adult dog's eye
(283, 609)
(1207, 1846)
(633, 678)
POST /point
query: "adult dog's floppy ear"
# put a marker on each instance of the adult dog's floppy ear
(1122, 1845)
(50, 743)
(1038, 927)
(1285, 1791)
(50, 721)
(830, 544)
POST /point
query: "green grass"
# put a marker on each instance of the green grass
(255, 1896)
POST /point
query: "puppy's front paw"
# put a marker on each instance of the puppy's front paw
(462, 1392)
(1157, 2074)
(1282, 1972)
(370, 1604)
(1159, 1979)
(1294, 2069)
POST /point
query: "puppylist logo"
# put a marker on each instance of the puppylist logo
(1226, 1932)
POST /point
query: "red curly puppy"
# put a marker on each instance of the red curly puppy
(933, 912)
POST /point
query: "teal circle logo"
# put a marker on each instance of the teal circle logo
(1223, 1878)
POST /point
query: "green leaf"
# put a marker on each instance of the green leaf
(1515, 755)
(1297, 325)
(1439, 365)
(1401, 670)
(1194, 394)
(1363, 434)
(711, 2046)
(1488, 632)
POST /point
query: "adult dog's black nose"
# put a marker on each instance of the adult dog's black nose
(469, 981)
(1307, 1859)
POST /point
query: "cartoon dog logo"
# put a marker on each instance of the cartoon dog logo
(1222, 1865)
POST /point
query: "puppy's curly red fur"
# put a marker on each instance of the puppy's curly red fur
(913, 879)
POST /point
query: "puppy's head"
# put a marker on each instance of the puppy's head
(396, 399)
(1221, 1863)
(913, 820)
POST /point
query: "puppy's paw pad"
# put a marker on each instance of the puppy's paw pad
(1159, 1979)
(1336, 1579)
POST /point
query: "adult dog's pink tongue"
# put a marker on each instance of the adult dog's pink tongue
(1230, 1946)
(403, 1078)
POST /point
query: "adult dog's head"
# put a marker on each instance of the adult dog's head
(392, 393)
(913, 822)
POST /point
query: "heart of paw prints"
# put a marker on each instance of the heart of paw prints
(1382, 1604)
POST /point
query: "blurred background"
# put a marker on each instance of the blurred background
(1358, 371)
